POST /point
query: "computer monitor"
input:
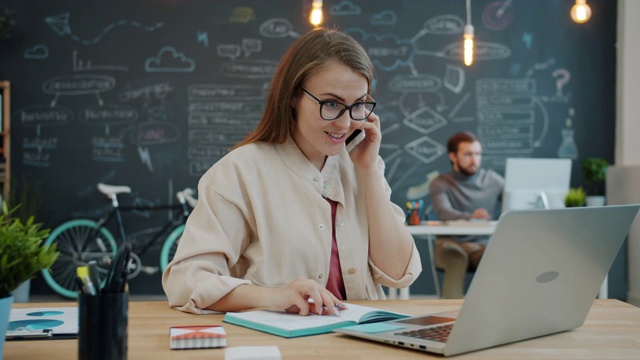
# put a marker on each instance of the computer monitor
(533, 183)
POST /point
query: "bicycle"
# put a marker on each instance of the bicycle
(82, 240)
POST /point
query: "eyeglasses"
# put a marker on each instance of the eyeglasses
(332, 109)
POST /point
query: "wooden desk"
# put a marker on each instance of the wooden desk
(611, 331)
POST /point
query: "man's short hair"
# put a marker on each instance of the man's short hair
(457, 138)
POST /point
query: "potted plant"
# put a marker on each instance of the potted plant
(6, 21)
(21, 258)
(594, 171)
(575, 197)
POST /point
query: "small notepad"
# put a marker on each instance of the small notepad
(252, 353)
(197, 337)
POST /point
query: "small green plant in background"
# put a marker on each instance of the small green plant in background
(594, 170)
(6, 21)
(22, 255)
(575, 197)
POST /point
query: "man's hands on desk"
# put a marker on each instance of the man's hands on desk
(481, 213)
(478, 217)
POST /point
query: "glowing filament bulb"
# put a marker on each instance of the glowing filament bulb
(316, 17)
(468, 45)
(580, 12)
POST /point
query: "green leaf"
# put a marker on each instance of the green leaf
(22, 253)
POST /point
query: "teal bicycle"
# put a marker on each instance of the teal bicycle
(80, 241)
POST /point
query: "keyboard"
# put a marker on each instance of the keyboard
(438, 333)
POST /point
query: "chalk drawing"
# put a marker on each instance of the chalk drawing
(38, 52)
(386, 17)
(169, 60)
(242, 15)
(74, 85)
(498, 15)
(82, 65)
(454, 78)
(345, 8)
(277, 28)
(203, 37)
(60, 24)
(387, 51)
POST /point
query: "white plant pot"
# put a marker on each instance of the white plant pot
(21, 293)
(595, 200)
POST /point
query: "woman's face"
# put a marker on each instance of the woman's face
(318, 138)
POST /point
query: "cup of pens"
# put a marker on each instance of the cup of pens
(103, 310)
(414, 212)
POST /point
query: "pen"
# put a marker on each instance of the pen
(82, 273)
(94, 273)
(79, 284)
(324, 310)
(119, 270)
(89, 287)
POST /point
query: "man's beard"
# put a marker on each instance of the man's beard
(467, 172)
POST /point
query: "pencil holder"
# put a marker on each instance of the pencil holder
(102, 330)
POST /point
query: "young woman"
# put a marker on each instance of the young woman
(289, 219)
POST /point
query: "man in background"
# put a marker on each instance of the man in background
(467, 192)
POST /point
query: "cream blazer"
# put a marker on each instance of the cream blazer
(261, 219)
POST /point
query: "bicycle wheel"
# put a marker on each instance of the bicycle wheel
(78, 242)
(170, 246)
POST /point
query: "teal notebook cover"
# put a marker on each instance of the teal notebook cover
(293, 325)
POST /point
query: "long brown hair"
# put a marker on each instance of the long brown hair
(308, 54)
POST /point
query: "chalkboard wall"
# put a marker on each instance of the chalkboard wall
(151, 93)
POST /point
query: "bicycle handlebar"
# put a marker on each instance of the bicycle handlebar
(187, 195)
(111, 191)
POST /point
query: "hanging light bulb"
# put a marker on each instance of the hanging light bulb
(580, 12)
(468, 45)
(316, 17)
(468, 38)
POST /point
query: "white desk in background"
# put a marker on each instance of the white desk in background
(431, 229)
(457, 227)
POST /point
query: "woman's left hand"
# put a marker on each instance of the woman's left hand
(365, 154)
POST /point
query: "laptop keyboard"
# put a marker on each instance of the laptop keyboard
(438, 333)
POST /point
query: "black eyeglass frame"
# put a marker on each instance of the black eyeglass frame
(346, 107)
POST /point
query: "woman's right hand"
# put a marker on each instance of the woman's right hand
(304, 297)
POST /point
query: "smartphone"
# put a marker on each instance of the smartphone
(354, 139)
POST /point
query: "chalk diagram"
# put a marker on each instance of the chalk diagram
(509, 114)
(108, 146)
(219, 116)
(37, 148)
(37, 52)
(169, 60)
(248, 68)
(60, 24)
(498, 15)
(82, 84)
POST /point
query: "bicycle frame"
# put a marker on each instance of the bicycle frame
(81, 240)
(180, 217)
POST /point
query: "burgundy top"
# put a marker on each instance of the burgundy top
(335, 283)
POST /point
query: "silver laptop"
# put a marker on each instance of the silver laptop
(539, 275)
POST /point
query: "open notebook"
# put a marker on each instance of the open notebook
(539, 275)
